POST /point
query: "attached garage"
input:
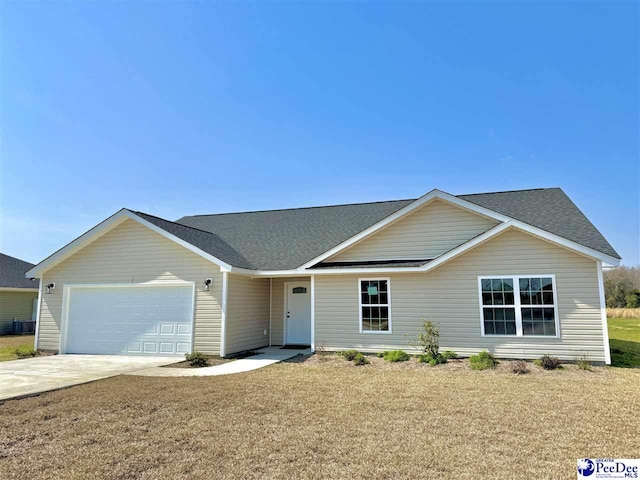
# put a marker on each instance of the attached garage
(139, 319)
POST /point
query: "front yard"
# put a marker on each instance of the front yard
(326, 419)
(13, 347)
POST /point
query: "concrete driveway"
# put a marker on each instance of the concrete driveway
(19, 378)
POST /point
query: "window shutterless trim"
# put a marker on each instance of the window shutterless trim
(388, 304)
(518, 305)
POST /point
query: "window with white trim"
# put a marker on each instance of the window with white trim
(519, 305)
(375, 305)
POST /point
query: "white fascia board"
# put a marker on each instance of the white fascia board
(432, 195)
(563, 242)
(179, 241)
(104, 227)
(75, 245)
(18, 289)
(459, 250)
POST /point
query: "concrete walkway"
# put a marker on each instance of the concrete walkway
(266, 356)
(20, 378)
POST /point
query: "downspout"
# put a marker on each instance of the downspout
(270, 305)
(38, 309)
(313, 313)
(603, 313)
(223, 326)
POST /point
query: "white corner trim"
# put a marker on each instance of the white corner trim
(38, 309)
(603, 313)
(313, 313)
(105, 226)
(432, 195)
(223, 314)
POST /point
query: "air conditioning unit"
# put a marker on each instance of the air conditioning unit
(24, 327)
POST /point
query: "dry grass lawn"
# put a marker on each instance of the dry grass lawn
(326, 419)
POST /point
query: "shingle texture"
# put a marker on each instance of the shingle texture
(286, 239)
(549, 209)
(12, 272)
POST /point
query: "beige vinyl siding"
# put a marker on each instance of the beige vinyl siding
(15, 304)
(278, 306)
(247, 313)
(426, 233)
(132, 253)
(449, 296)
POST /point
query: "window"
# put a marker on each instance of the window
(375, 305)
(299, 290)
(518, 305)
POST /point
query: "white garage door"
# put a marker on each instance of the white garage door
(127, 320)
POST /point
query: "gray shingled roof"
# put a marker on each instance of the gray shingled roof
(286, 239)
(12, 272)
(206, 241)
(549, 209)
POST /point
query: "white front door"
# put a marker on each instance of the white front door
(298, 313)
(126, 320)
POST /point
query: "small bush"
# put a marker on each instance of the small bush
(380, 354)
(396, 356)
(548, 362)
(196, 359)
(360, 359)
(482, 361)
(25, 351)
(348, 355)
(583, 363)
(449, 354)
(426, 358)
(520, 367)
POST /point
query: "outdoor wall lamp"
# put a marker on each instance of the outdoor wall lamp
(207, 283)
(50, 286)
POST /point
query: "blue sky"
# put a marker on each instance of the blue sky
(182, 108)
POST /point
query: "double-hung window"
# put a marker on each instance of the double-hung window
(520, 305)
(375, 305)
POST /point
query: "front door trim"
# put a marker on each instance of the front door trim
(287, 286)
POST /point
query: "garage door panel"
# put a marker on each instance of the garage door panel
(130, 320)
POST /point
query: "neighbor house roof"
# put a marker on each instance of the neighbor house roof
(286, 239)
(12, 272)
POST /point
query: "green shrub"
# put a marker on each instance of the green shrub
(25, 351)
(548, 362)
(396, 356)
(426, 358)
(583, 364)
(482, 361)
(520, 367)
(428, 338)
(348, 355)
(449, 354)
(196, 359)
(380, 354)
(360, 359)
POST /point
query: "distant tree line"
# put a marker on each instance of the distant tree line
(622, 287)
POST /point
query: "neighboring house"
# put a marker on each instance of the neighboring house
(18, 295)
(517, 273)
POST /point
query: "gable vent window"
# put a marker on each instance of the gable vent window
(299, 290)
(375, 305)
(519, 305)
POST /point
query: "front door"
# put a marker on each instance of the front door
(298, 313)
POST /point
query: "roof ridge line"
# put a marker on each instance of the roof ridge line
(508, 191)
(298, 208)
(180, 224)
